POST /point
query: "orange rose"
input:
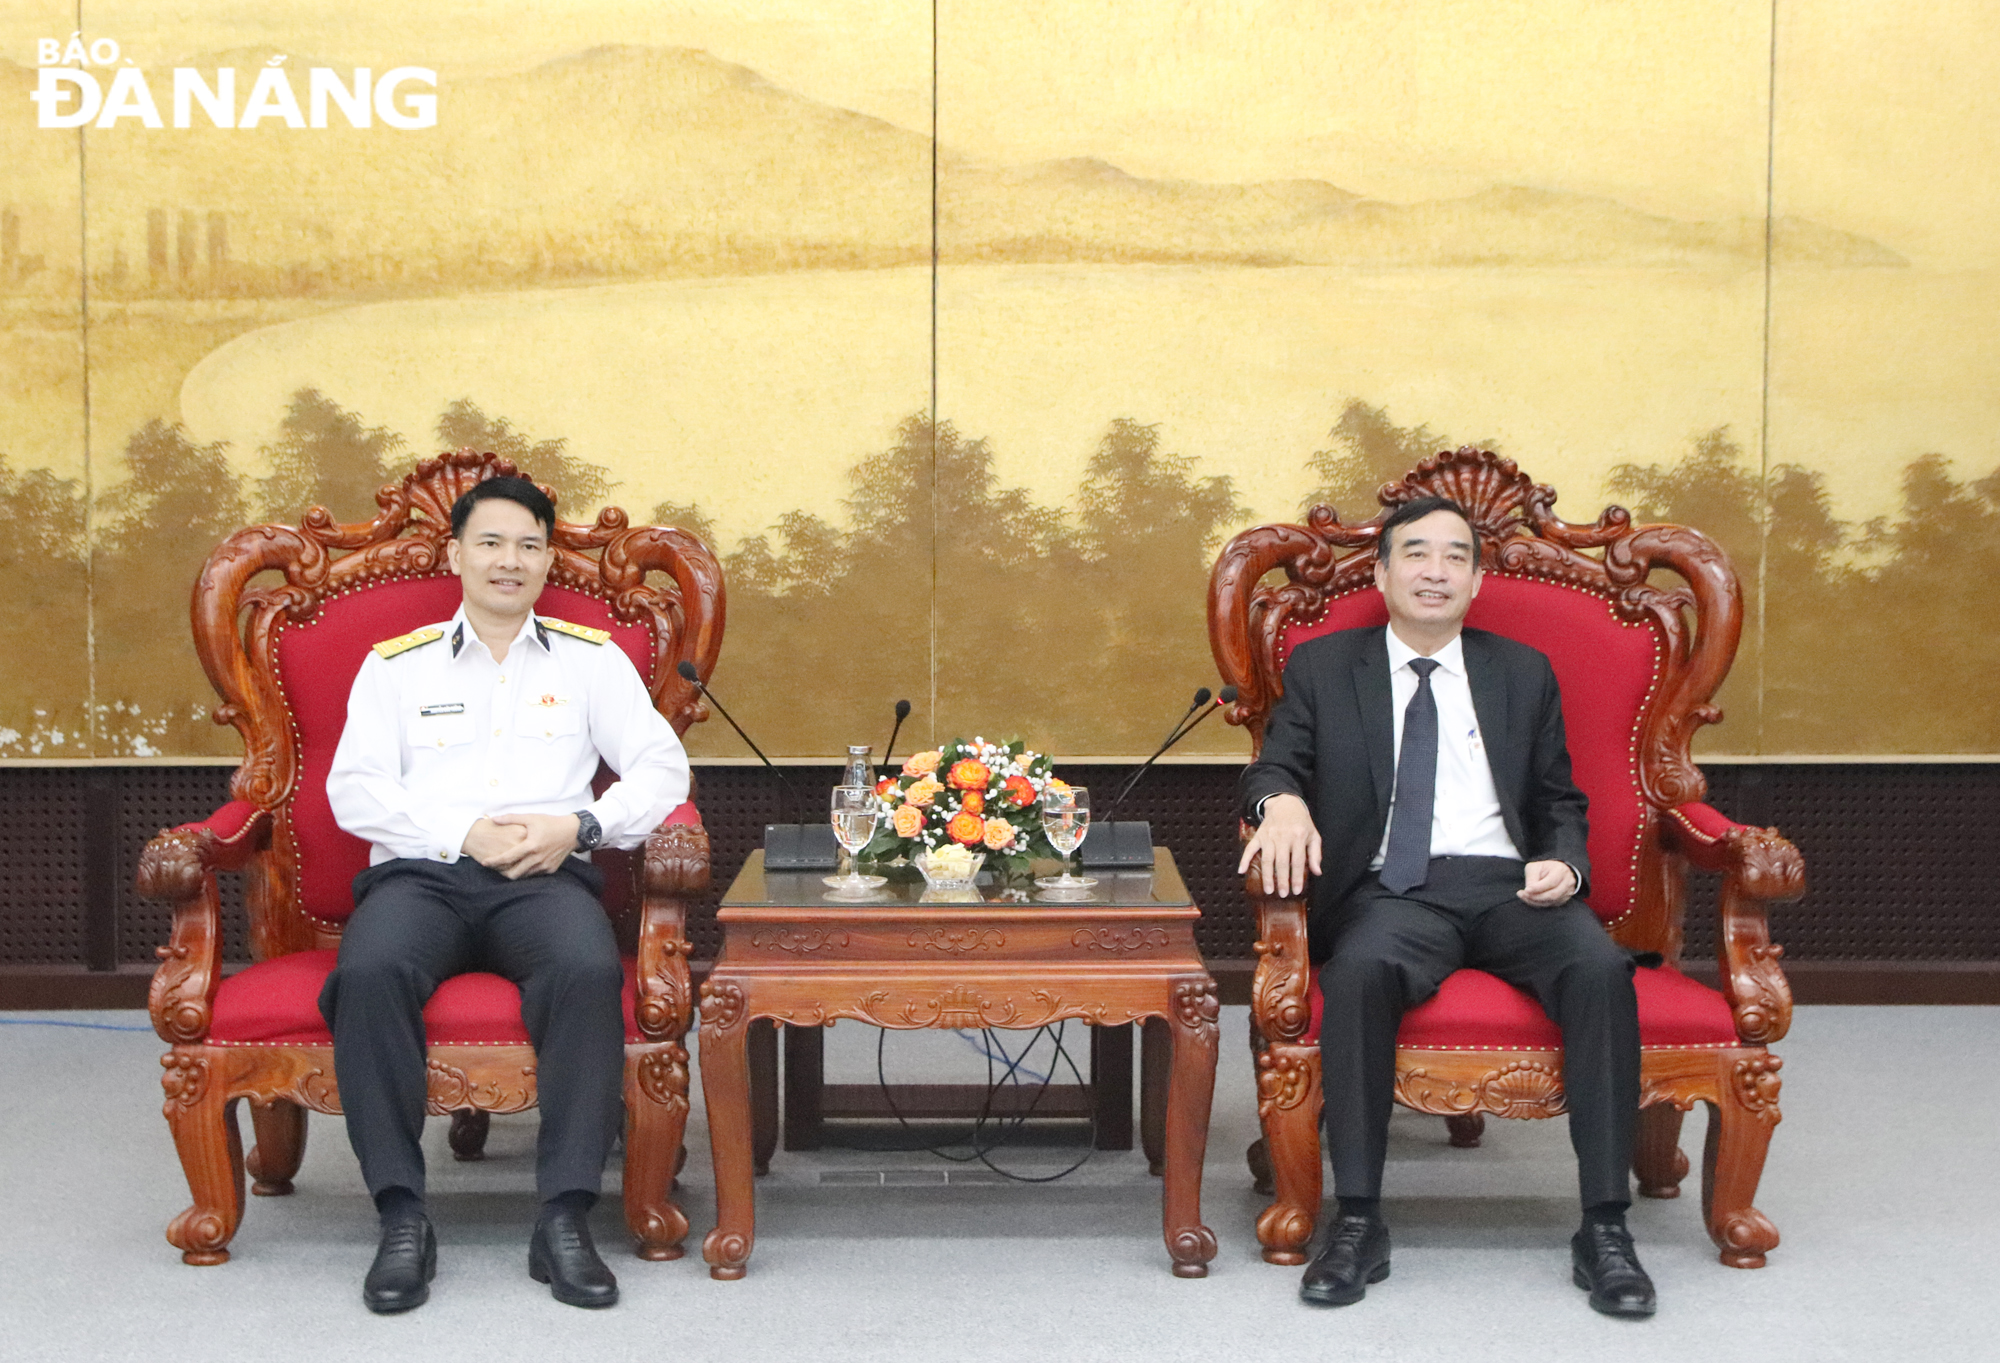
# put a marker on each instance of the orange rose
(922, 792)
(886, 789)
(999, 834)
(908, 821)
(965, 828)
(973, 803)
(922, 764)
(969, 775)
(1058, 786)
(1020, 791)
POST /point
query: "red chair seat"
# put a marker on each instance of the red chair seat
(276, 1002)
(1475, 1011)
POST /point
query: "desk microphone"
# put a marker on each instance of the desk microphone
(1115, 846)
(902, 713)
(1188, 721)
(787, 846)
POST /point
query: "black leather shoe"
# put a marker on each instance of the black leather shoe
(1356, 1253)
(405, 1263)
(1607, 1267)
(561, 1255)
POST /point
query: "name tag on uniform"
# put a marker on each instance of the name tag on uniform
(454, 707)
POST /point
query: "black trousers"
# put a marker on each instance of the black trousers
(416, 924)
(1391, 952)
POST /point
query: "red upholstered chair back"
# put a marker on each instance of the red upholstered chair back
(284, 655)
(1637, 659)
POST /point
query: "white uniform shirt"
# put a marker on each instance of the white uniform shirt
(440, 736)
(1465, 813)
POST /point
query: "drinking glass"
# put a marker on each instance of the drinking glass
(854, 810)
(1066, 818)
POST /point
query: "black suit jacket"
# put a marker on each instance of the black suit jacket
(1331, 740)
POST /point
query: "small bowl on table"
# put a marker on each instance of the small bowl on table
(951, 880)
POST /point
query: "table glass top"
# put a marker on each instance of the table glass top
(755, 888)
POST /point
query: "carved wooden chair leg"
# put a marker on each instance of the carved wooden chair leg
(1288, 1108)
(469, 1126)
(656, 1107)
(1657, 1158)
(1739, 1135)
(281, 1146)
(203, 1122)
(1466, 1130)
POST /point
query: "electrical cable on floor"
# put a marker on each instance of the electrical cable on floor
(1005, 1127)
(82, 1026)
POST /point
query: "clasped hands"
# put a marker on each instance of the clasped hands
(1286, 846)
(519, 845)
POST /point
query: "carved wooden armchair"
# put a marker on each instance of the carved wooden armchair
(1637, 661)
(283, 652)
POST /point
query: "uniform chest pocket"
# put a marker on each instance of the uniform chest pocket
(440, 730)
(548, 718)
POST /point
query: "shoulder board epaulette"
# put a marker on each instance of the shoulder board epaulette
(583, 632)
(403, 643)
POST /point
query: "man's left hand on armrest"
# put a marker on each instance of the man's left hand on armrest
(1549, 883)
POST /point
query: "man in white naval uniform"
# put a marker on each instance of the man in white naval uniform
(467, 763)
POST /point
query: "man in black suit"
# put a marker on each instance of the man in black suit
(1421, 775)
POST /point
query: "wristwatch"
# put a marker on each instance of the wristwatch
(589, 832)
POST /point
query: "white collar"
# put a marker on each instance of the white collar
(1451, 657)
(460, 632)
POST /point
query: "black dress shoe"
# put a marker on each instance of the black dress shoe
(405, 1263)
(1607, 1267)
(1356, 1253)
(561, 1255)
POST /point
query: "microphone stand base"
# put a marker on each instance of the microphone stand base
(1124, 846)
(800, 847)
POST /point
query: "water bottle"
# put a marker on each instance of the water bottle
(860, 766)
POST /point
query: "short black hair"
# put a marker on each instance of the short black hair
(517, 490)
(1416, 511)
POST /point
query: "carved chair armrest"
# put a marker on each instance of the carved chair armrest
(1758, 866)
(178, 867)
(676, 866)
(1278, 1005)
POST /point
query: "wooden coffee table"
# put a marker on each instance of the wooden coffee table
(795, 955)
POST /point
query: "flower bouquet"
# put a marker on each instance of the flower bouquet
(984, 797)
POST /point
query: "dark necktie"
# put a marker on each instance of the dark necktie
(1408, 859)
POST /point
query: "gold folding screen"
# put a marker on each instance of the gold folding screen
(967, 330)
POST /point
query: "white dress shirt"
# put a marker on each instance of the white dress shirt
(439, 736)
(1465, 813)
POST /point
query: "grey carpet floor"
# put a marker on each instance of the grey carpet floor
(1880, 1180)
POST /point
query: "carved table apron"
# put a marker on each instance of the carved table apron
(792, 954)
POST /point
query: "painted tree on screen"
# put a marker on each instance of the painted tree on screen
(1034, 614)
(1923, 642)
(178, 501)
(580, 486)
(44, 655)
(1150, 527)
(1871, 635)
(1368, 450)
(326, 456)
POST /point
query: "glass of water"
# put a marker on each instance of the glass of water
(1066, 818)
(853, 811)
